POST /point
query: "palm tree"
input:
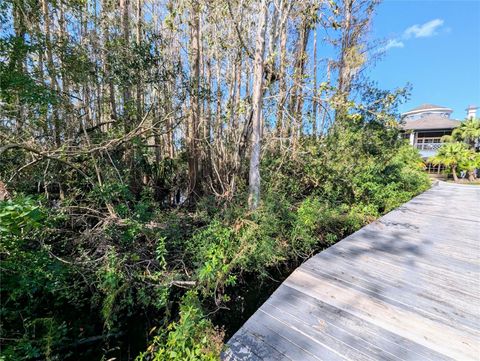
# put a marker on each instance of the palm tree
(450, 155)
(470, 162)
(468, 132)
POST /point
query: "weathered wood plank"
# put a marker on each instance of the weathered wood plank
(409, 286)
(441, 338)
(426, 227)
(247, 346)
(406, 287)
(285, 340)
(444, 243)
(409, 257)
(451, 287)
(404, 300)
(317, 336)
(350, 328)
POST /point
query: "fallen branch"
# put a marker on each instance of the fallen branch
(183, 284)
(42, 154)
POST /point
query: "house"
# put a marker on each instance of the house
(426, 124)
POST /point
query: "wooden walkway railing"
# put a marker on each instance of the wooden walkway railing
(406, 287)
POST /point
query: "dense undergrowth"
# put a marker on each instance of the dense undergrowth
(70, 273)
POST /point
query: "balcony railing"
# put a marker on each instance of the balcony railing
(428, 146)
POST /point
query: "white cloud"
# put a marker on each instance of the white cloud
(394, 43)
(423, 31)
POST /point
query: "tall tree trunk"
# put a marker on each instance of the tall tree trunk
(125, 26)
(139, 34)
(218, 116)
(207, 128)
(20, 31)
(346, 44)
(193, 153)
(106, 61)
(296, 99)
(66, 105)
(315, 92)
(281, 130)
(254, 174)
(235, 89)
(51, 70)
(41, 74)
(324, 109)
(168, 106)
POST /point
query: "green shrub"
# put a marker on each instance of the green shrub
(30, 278)
(191, 338)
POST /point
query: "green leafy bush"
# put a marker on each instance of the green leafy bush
(30, 277)
(191, 338)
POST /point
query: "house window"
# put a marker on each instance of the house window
(429, 143)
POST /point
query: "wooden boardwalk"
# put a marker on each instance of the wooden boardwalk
(406, 287)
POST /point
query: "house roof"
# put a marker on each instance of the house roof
(432, 121)
(426, 107)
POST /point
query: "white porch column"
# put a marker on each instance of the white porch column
(412, 138)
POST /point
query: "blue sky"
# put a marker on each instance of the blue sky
(435, 46)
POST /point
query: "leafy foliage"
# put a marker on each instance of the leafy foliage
(468, 131)
(120, 212)
(30, 279)
(191, 338)
(461, 149)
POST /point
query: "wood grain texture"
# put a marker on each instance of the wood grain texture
(406, 287)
